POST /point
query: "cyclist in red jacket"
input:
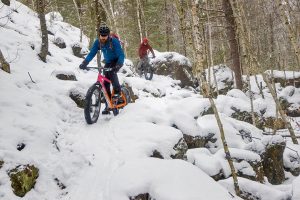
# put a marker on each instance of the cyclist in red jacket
(143, 53)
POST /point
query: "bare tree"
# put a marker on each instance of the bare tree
(138, 5)
(232, 38)
(168, 25)
(279, 108)
(179, 5)
(291, 32)
(198, 39)
(40, 7)
(77, 5)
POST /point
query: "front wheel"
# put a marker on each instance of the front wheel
(93, 99)
(148, 72)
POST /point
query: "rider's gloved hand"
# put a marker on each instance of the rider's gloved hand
(117, 68)
(83, 65)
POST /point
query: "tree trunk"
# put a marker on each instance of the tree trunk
(181, 13)
(40, 5)
(78, 10)
(198, 40)
(168, 24)
(222, 133)
(282, 114)
(143, 19)
(233, 44)
(291, 33)
(116, 30)
(139, 19)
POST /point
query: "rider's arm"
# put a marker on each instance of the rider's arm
(93, 51)
(119, 51)
(150, 48)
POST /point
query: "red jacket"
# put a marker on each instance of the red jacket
(143, 50)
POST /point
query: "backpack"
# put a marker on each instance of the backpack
(114, 35)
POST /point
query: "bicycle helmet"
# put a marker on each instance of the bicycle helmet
(103, 30)
(145, 40)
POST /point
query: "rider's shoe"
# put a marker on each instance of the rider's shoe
(106, 111)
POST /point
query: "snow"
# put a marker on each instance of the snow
(261, 191)
(164, 56)
(111, 159)
(284, 74)
(161, 176)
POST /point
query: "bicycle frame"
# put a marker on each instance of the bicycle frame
(101, 80)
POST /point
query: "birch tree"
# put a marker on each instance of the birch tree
(77, 5)
(139, 19)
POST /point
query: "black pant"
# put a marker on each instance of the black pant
(113, 77)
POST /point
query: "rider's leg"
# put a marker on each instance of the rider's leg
(139, 65)
(107, 84)
(115, 82)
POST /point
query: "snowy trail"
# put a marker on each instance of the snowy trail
(96, 140)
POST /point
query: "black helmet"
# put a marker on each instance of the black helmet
(103, 29)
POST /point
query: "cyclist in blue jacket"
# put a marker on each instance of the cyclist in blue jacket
(113, 56)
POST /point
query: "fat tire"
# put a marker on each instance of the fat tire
(88, 104)
(148, 71)
(126, 93)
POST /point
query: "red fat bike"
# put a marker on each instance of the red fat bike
(97, 98)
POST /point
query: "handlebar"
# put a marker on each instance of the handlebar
(100, 68)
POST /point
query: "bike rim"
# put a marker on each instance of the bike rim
(95, 105)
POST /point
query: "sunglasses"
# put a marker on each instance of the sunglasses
(103, 35)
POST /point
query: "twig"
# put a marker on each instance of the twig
(31, 78)
(17, 55)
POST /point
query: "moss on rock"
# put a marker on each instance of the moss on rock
(23, 179)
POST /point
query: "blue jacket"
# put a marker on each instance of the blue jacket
(111, 50)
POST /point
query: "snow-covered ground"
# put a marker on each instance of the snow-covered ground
(109, 160)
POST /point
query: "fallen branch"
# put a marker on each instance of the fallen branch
(31, 78)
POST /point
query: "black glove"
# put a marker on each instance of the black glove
(83, 65)
(117, 68)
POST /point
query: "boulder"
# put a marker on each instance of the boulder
(180, 148)
(23, 179)
(6, 2)
(60, 42)
(224, 77)
(157, 154)
(293, 112)
(174, 65)
(194, 141)
(1, 163)
(273, 123)
(141, 197)
(66, 76)
(77, 97)
(77, 50)
(273, 159)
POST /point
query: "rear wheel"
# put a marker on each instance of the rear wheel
(93, 99)
(126, 93)
(148, 72)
